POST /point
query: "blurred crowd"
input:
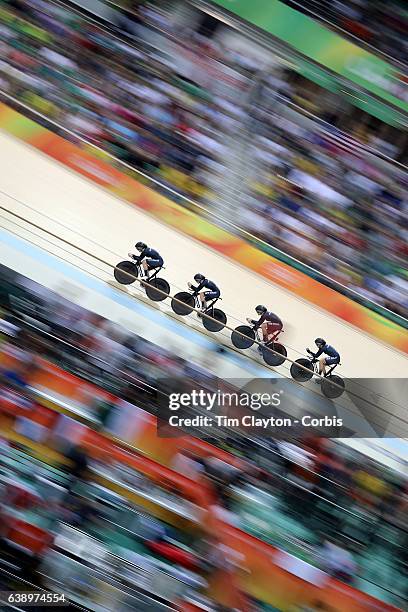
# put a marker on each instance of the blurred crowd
(345, 510)
(307, 195)
(313, 199)
(381, 24)
(130, 101)
(59, 526)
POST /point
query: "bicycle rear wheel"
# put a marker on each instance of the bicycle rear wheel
(333, 386)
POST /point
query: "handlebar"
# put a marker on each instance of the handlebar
(134, 258)
(313, 358)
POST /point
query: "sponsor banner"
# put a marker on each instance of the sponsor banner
(203, 230)
(80, 161)
(324, 47)
(368, 104)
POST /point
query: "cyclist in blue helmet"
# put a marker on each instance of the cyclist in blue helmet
(328, 355)
(205, 289)
(148, 258)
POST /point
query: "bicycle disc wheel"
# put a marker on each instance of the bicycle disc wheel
(126, 272)
(298, 373)
(277, 357)
(333, 386)
(157, 289)
(217, 321)
(183, 303)
(243, 337)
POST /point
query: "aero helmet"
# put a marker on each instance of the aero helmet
(261, 309)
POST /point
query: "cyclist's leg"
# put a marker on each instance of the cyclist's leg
(206, 296)
(271, 329)
(201, 297)
(265, 331)
(322, 366)
(149, 265)
(330, 361)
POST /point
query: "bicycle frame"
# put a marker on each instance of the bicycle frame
(198, 302)
(260, 339)
(329, 371)
(152, 276)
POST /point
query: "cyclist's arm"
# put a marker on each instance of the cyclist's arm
(139, 258)
(199, 287)
(260, 321)
(136, 258)
(319, 352)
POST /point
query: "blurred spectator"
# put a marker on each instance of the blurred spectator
(22, 495)
(85, 513)
(79, 464)
(372, 488)
(189, 465)
(337, 561)
(17, 376)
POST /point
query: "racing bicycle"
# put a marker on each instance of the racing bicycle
(157, 289)
(303, 369)
(273, 352)
(213, 319)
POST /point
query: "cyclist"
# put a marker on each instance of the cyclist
(269, 322)
(205, 289)
(332, 358)
(149, 258)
